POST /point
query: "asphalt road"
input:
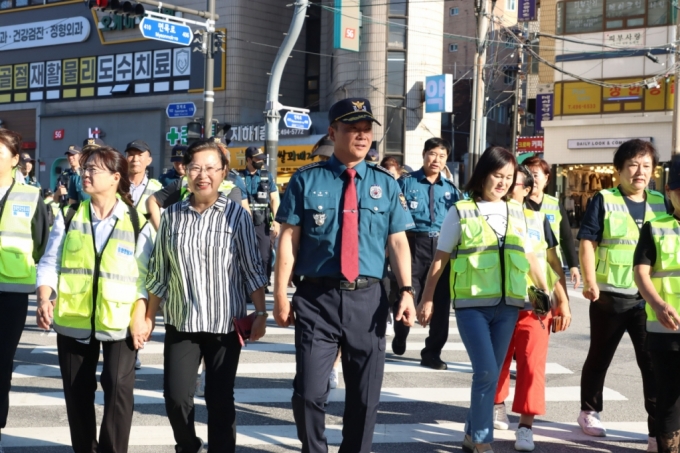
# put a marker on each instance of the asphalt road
(421, 410)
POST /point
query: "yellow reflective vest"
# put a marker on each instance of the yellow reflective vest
(614, 253)
(550, 207)
(666, 270)
(536, 234)
(97, 289)
(17, 267)
(151, 188)
(476, 278)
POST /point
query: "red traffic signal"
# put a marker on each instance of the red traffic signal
(97, 4)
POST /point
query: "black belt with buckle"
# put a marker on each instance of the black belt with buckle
(338, 283)
(425, 234)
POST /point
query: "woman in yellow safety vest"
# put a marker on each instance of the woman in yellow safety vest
(556, 215)
(657, 276)
(93, 265)
(529, 344)
(24, 229)
(491, 255)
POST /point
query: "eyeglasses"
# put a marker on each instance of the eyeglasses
(94, 171)
(196, 170)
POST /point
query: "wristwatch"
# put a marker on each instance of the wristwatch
(262, 313)
(407, 289)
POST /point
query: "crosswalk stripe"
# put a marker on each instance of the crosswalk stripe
(244, 369)
(283, 395)
(254, 435)
(272, 329)
(258, 346)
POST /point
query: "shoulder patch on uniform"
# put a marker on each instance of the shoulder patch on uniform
(402, 200)
(312, 165)
(382, 169)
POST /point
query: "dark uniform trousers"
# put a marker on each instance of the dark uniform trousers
(78, 364)
(265, 244)
(423, 249)
(327, 318)
(12, 322)
(182, 356)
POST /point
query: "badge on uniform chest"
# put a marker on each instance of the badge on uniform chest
(376, 192)
(319, 219)
(447, 195)
(413, 204)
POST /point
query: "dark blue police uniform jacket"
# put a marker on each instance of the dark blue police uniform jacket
(427, 202)
(313, 201)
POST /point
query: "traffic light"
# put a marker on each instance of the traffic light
(133, 9)
(97, 4)
(223, 130)
(194, 131)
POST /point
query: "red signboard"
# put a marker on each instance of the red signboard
(529, 145)
(58, 134)
(29, 145)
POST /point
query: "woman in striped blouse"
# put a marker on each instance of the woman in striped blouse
(204, 260)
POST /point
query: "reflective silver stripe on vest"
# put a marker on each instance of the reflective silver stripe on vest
(117, 277)
(16, 235)
(662, 274)
(657, 207)
(22, 196)
(17, 288)
(611, 207)
(469, 251)
(518, 213)
(83, 227)
(665, 231)
(470, 303)
(615, 289)
(618, 242)
(78, 271)
(468, 213)
(79, 334)
(519, 248)
(514, 302)
(103, 335)
(121, 235)
(656, 327)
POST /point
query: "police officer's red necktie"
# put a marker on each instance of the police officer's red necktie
(349, 255)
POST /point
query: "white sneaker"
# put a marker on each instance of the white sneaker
(333, 379)
(203, 447)
(500, 417)
(138, 365)
(200, 385)
(590, 423)
(389, 330)
(524, 439)
(651, 445)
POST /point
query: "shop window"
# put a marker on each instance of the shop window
(579, 16)
(398, 7)
(453, 47)
(394, 126)
(396, 68)
(396, 35)
(511, 5)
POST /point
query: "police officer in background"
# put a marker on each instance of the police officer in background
(61, 189)
(354, 210)
(177, 170)
(76, 194)
(28, 170)
(139, 158)
(429, 195)
(263, 196)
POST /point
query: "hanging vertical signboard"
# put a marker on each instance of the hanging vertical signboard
(347, 25)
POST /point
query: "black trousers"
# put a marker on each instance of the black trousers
(78, 364)
(354, 321)
(422, 253)
(12, 322)
(183, 353)
(606, 330)
(666, 371)
(265, 245)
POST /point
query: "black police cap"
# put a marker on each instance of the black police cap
(351, 110)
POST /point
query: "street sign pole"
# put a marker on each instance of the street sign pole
(208, 93)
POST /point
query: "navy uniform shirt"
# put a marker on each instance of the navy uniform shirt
(313, 201)
(169, 177)
(75, 188)
(428, 202)
(238, 182)
(252, 183)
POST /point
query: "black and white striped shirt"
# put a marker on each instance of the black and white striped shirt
(203, 264)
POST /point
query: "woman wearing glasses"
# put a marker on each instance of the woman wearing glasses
(204, 261)
(92, 264)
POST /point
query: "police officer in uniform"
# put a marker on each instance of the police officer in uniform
(429, 196)
(177, 170)
(263, 196)
(138, 155)
(61, 190)
(341, 214)
(28, 166)
(76, 194)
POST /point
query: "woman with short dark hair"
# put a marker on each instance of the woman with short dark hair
(92, 263)
(204, 261)
(485, 237)
(24, 228)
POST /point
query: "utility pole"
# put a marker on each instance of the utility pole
(211, 47)
(478, 98)
(273, 105)
(676, 98)
(519, 93)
